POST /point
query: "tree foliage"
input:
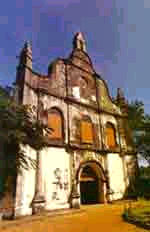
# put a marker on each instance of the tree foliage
(136, 114)
(140, 124)
(17, 130)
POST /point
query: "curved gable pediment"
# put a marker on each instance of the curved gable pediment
(105, 101)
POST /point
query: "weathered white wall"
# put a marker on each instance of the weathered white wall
(56, 195)
(116, 175)
(25, 188)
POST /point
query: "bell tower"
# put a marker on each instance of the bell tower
(121, 101)
(79, 42)
(24, 72)
(25, 58)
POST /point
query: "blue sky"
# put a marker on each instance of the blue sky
(117, 34)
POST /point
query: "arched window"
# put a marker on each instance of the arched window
(55, 123)
(110, 135)
(86, 131)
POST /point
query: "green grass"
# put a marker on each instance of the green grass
(138, 214)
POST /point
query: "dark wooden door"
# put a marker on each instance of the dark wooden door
(89, 192)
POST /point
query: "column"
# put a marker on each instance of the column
(38, 201)
(75, 196)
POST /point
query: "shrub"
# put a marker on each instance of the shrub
(138, 215)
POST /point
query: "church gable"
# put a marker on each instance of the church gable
(80, 74)
(79, 56)
(81, 86)
(81, 60)
(75, 78)
(105, 101)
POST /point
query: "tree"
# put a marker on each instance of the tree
(17, 129)
(139, 122)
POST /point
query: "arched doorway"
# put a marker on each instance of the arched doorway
(89, 191)
(92, 183)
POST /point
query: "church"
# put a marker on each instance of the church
(89, 158)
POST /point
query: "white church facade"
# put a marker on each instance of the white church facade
(89, 158)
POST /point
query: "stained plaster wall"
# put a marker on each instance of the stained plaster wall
(104, 98)
(56, 177)
(85, 156)
(115, 165)
(81, 86)
(122, 132)
(76, 114)
(25, 186)
(57, 78)
(116, 175)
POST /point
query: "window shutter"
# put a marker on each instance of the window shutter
(110, 135)
(86, 132)
(55, 123)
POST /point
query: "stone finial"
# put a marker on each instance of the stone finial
(28, 48)
(26, 55)
(79, 42)
(27, 44)
(120, 94)
(121, 101)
